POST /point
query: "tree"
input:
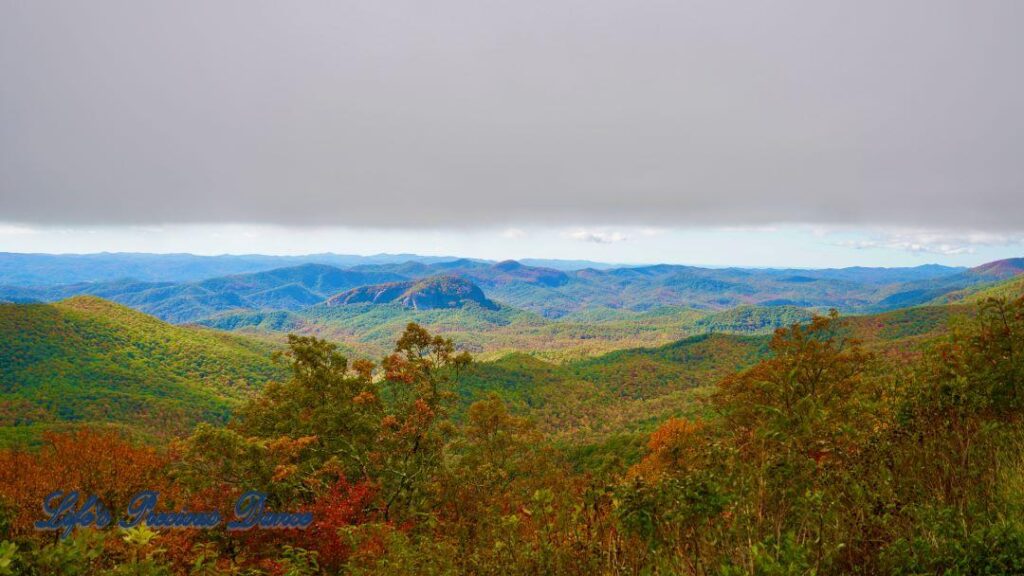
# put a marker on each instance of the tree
(417, 395)
(103, 463)
(797, 423)
(323, 420)
(675, 447)
(961, 417)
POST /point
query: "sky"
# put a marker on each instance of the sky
(777, 247)
(798, 132)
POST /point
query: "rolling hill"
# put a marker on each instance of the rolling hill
(549, 292)
(496, 308)
(87, 360)
(558, 293)
(289, 288)
(1010, 288)
(924, 291)
(371, 327)
(590, 401)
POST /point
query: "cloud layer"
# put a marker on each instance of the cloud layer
(479, 113)
(933, 242)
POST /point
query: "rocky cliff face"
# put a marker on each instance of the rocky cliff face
(427, 294)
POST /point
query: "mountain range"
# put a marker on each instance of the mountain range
(290, 288)
(54, 269)
(546, 291)
(585, 352)
(88, 360)
(493, 308)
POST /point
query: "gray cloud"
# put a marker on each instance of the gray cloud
(486, 112)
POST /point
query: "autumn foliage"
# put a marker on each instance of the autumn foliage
(104, 463)
(821, 459)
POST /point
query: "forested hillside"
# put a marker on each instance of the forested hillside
(548, 292)
(751, 439)
(369, 327)
(925, 290)
(1004, 289)
(87, 360)
(807, 452)
(621, 392)
(290, 288)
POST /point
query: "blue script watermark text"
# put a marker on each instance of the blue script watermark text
(66, 511)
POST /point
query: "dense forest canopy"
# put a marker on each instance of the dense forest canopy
(825, 456)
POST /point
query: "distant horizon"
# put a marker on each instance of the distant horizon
(403, 257)
(783, 246)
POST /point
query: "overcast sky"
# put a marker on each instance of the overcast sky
(571, 117)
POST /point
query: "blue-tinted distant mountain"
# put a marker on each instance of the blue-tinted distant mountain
(541, 290)
(924, 291)
(289, 288)
(56, 269)
(567, 265)
(555, 293)
(867, 275)
(487, 274)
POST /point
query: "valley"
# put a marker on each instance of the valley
(583, 377)
(493, 309)
(598, 390)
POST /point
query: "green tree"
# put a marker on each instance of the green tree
(797, 424)
(417, 392)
